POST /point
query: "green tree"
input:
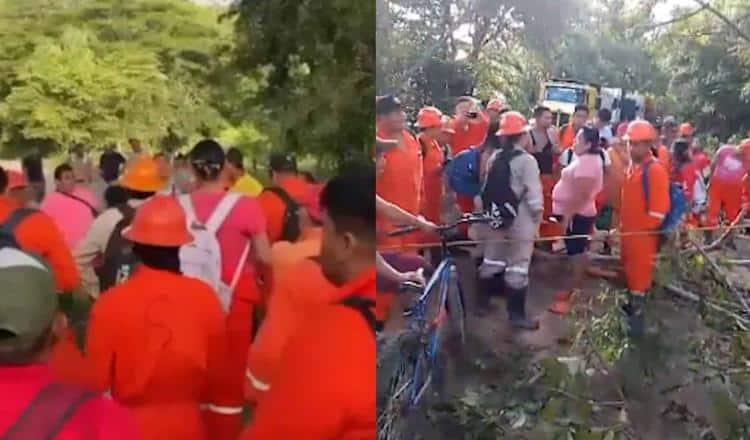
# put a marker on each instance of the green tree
(318, 62)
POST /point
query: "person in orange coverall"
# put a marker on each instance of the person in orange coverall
(726, 187)
(400, 181)
(37, 233)
(157, 342)
(643, 215)
(469, 126)
(324, 388)
(430, 124)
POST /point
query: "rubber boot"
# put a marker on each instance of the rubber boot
(516, 307)
(484, 305)
(634, 315)
(496, 285)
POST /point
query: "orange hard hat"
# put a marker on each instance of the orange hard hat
(512, 123)
(16, 180)
(161, 222)
(143, 175)
(745, 144)
(429, 117)
(640, 130)
(686, 129)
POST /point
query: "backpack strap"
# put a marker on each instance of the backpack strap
(91, 208)
(221, 212)
(186, 202)
(364, 306)
(8, 229)
(283, 195)
(47, 413)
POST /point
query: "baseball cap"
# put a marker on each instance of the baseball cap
(280, 162)
(29, 300)
(387, 104)
(669, 121)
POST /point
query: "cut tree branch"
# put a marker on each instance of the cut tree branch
(725, 19)
(650, 27)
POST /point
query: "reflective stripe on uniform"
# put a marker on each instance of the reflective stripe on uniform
(523, 270)
(658, 215)
(224, 410)
(256, 383)
(498, 263)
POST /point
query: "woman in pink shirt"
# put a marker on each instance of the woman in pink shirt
(725, 188)
(243, 244)
(574, 202)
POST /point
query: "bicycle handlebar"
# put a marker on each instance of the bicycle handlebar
(443, 229)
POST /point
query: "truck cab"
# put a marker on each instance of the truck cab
(562, 96)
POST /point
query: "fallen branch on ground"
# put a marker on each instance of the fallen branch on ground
(743, 322)
(723, 276)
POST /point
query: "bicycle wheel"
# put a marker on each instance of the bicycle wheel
(456, 305)
(396, 365)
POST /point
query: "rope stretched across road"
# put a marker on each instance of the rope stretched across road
(601, 236)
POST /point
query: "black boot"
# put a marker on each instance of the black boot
(496, 285)
(634, 315)
(516, 306)
(484, 305)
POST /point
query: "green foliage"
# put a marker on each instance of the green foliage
(97, 71)
(318, 62)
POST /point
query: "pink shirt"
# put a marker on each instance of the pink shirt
(72, 216)
(97, 419)
(244, 221)
(729, 166)
(567, 188)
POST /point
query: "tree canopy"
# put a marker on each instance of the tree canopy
(97, 72)
(695, 65)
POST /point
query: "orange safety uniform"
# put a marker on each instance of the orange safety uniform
(613, 184)
(39, 234)
(299, 288)
(471, 135)
(663, 156)
(401, 184)
(325, 384)
(157, 344)
(274, 208)
(432, 180)
(638, 252)
(727, 186)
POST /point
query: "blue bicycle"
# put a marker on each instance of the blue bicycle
(437, 313)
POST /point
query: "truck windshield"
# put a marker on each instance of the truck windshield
(567, 95)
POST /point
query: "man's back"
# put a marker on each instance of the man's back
(335, 397)
(38, 234)
(162, 335)
(95, 418)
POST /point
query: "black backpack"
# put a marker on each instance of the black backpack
(498, 199)
(290, 231)
(119, 261)
(7, 229)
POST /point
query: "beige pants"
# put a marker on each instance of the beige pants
(511, 253)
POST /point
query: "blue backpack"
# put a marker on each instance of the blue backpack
(463, 172)
(678, 205)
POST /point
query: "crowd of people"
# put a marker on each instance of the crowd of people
(221, 308)
(545, 187)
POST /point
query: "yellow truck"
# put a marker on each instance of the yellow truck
(562, 96)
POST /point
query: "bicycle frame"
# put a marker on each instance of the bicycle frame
(428, 351)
